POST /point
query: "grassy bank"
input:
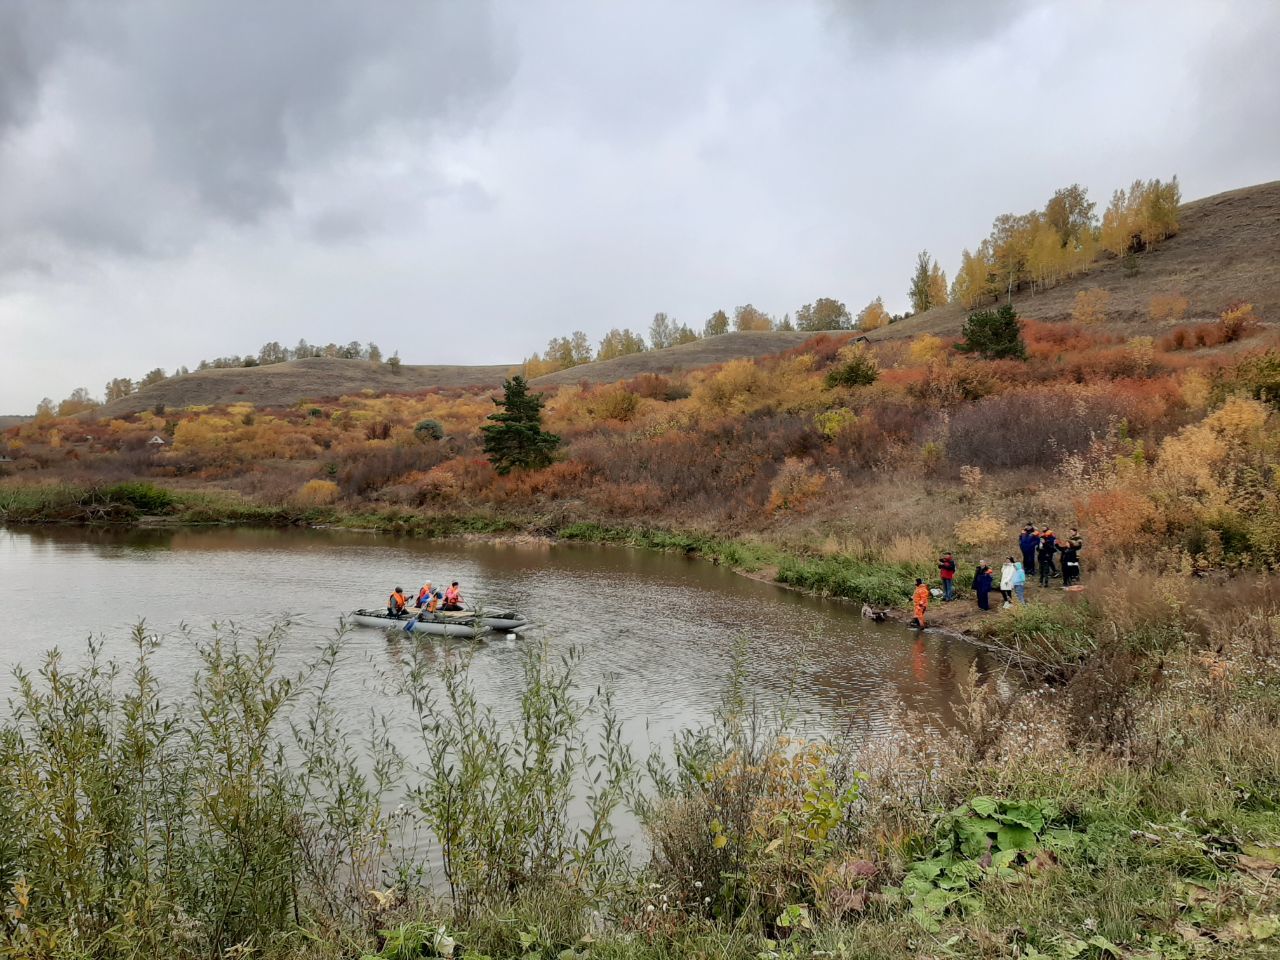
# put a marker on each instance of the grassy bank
(854, 578)
(135, 820)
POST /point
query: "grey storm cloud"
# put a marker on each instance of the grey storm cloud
(156, 119)
(913, 23)
(463, 179)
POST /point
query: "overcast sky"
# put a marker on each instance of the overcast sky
(462, 180)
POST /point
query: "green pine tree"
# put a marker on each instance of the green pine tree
(515, 439)
(994, 335)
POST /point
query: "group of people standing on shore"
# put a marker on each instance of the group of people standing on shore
(1040, 547)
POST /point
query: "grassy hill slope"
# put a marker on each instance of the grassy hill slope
(280, 384)
(687, 356)
(1227, 249)
(287, 383)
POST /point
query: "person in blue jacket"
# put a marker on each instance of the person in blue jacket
(1028, 542)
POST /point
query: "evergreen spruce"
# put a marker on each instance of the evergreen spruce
(515, 439)
(994, 335)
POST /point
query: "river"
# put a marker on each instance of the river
(661, 630)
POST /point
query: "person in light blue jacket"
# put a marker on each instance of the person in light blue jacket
(1020, 582)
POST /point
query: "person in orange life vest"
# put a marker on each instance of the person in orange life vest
(921, 601)
(452, 598)
(424, 595)
(396, 602)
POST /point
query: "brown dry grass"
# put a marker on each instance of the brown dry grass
(1225, 251)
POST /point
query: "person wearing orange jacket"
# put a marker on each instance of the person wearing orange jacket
(920, 600)
(396, 603)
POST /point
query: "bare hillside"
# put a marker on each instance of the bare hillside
(687, 356)
(13, 421)
(280, 384)
(1227, 249)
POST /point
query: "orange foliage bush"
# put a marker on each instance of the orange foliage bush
(567, 478)
(1236, 323)
(1167, 307)
(795, 485)
(1090, 306)
(1120, 520)
(317, 493)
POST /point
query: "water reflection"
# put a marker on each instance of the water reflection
(662, 630)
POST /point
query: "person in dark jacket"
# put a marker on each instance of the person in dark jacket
(1070, 562)
(1046, 560)
(1049, 538)
(982, 586)
(947, 571)
(1028, 542)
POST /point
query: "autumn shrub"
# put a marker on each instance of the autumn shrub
(882, 434)
(1028, 426)
(925, 348)
(855, 367)
(653, 386)
(822, 348)
(613, 403)
(1237, 322)
(908, 549)
(1167, 307)
(317, 493)
(1257, 376)
(831, 423)
(627, 499)
(1120, 520)
(566, 478)
(370, 467)
(746, 387)
(980, 531)
(1090, 305)
(795, 485)
(427, 431)
(719, 468)
(950, 384)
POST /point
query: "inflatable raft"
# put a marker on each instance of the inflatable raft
(465, 625)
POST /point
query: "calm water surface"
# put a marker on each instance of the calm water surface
(661, 630)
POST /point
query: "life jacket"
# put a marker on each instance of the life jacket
(433, 603)
(423, 594)
(452, 596)
(397, 600)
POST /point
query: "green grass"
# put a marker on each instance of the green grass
(851, 578)
(1055, 636)
(739, 554)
